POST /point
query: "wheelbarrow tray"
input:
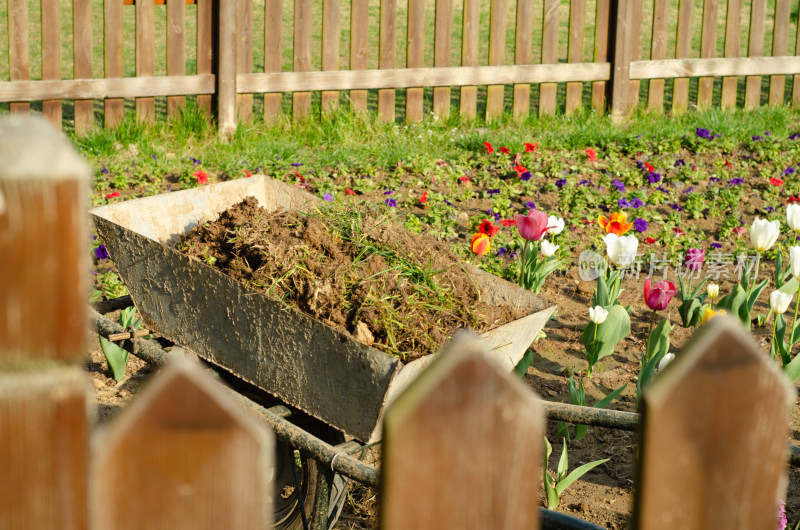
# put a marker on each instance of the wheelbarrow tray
(289, 354)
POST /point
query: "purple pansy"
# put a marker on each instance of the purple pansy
(789, 171)
(736, 181)
(388, 192)
(623, 203)
(653, 177)
(619, 185)
(530, 205)
(679, 163)
(703, 133)
(101, 253)
(327, 197)
(494, 191)
(391, 203)
(584, 182)
(560, 183)
(636, 203)
(716, 245)
(677, 207)
(502, 251)
(640, 224)
(526, 176)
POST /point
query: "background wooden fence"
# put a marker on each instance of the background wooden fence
(402, 56)
(465, 437)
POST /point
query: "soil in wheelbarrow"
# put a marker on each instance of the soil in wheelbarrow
(398, 292)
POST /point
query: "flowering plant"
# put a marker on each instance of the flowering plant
(534, 270)
(691, 300)
(657, 297)
(609, 325)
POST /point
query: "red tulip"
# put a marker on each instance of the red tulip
(658, 297)
(532, 226)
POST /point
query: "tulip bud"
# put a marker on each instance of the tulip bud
(621, 250)
(481, 244)
(763, 233)
(597, 314)
(556, 224)
(793, 216)
(779, 302)
(668, 358)
(713, 291)
(548, 248)
(794, 257)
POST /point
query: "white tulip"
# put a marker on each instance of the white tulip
(794, 259)
(793, 216)
(668, 358)
(713, 291)
(621, 250)
(597, 314)
(763, 233)
(557, 223)
(779, 302)
(548, 248)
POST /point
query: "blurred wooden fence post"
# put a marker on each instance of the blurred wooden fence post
(43, 407)
(226, 63)
(463, 447)
(713, 443)
(184, 455)
(619, 54)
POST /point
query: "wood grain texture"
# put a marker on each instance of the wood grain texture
(547, 91)
(600, 52)
(796, 83)
(273, 54)
(244, 54)
(43, 235)
(637, 22)
(467, 438)
(720, 399)
(45, 461)
(620, 17)
(18, 48)
(523, 55)
(112, 58)
(82, 37)
(577, 14)
(122, 87)
(226, 78)
(683, 47)
(387, 56)
(359, 23)
(145, 57)
(708, 44)
(780, 45)
(755, 48)
(469, 56)
(733, 26)
(658, 51)
(497, 56)
(415, 57)
(301, 101)
(51, 56)
(329, 100)
(671, 68)
(204, 47)
(442, 48)
(176, 50)
(201, 461)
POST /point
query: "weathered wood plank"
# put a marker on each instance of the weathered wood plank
(708, 44)
(123, 87)
(301, 101)
(683, 48)
(577, 14)
(412, 77)
(441, 53)
(204, 48)
(495, 93)
(733, 27)
(469, 55)
(547, 91)
(176, 50)
(523, 55)
(201, 461)
(43, 235)
(387, 55)
(658, 51)
(359, 24)
(273, 54)
(82, 37)
(780, 45)
(18, 47)
(145, 57)
(600, 53)
(720, 399)
(226, 77)
(636, 48)
(620, 17)
(51, 56)
(755, 48)
(244, 54)
(329, 100)
(112, 29)
(415, 57)
(463, 430)
(44, 454)
(671, 68)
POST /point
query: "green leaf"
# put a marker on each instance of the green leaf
(793, 369)
(616, 327)
(733, 302)
(698, 288)
(603, 403)
(578, 473)
(658, 342)
(600, 297)
(116, 358)
(580, 432)
(790, 287)
(563, 461)
(524, 363)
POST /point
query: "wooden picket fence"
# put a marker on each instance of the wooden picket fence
(614, 49)
(465, 437)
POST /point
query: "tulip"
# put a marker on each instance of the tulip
(779, 302)
(621, 250)
(713, 291)
(548, 248)
(481, 244)
(793, 216)
(694, 259)
(556, 225)
(659, 295)
(794, 266)
(763, 234)
(709, 314)
(597, 314)
(668, 358)
(532, 226)
(615, 224)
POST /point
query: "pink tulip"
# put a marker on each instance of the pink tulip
(659, 296)
(532, 226)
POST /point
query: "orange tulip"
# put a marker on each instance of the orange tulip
(481, 243)
(615, 224)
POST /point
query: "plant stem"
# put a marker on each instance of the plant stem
(772, 342)
(522, 265)
(649, 331)
(794, 320)
(758, 261)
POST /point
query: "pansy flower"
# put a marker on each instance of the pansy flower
(591, 154)
(505, 150)
(113, 195)
(424, 198)
(486, 227)
(650, 240)
(391, 203)
(530, 148)
(615, 223)
(351, 192)
(489, 148)
(776, 181)
(327, 197)
(560, 183)
(201, 176)
(639, 224)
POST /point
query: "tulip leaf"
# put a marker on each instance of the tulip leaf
(603, 403)
(792, 369)
(600, 297)
(789, 287)
(616, 327)
(658, 341)
(524, 363)
(578, 473)
(777, 346)
(733, 303)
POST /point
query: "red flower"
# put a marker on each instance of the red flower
(793, 199)
(505, 150)
(649, 167)
(678, 231)
(247, 174)
(728, 163)
(489, 148)
(486, 227)
(520, 169)
(424, 198)
(201, 176)
(592, 154)
(509, 222)
(650, 240)
(464, 179)
(530, 148)
(776, 181)
(739, 231)
(481, 243)
(658, 297)
(349, 191)
(112, 195)
(532, 226)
